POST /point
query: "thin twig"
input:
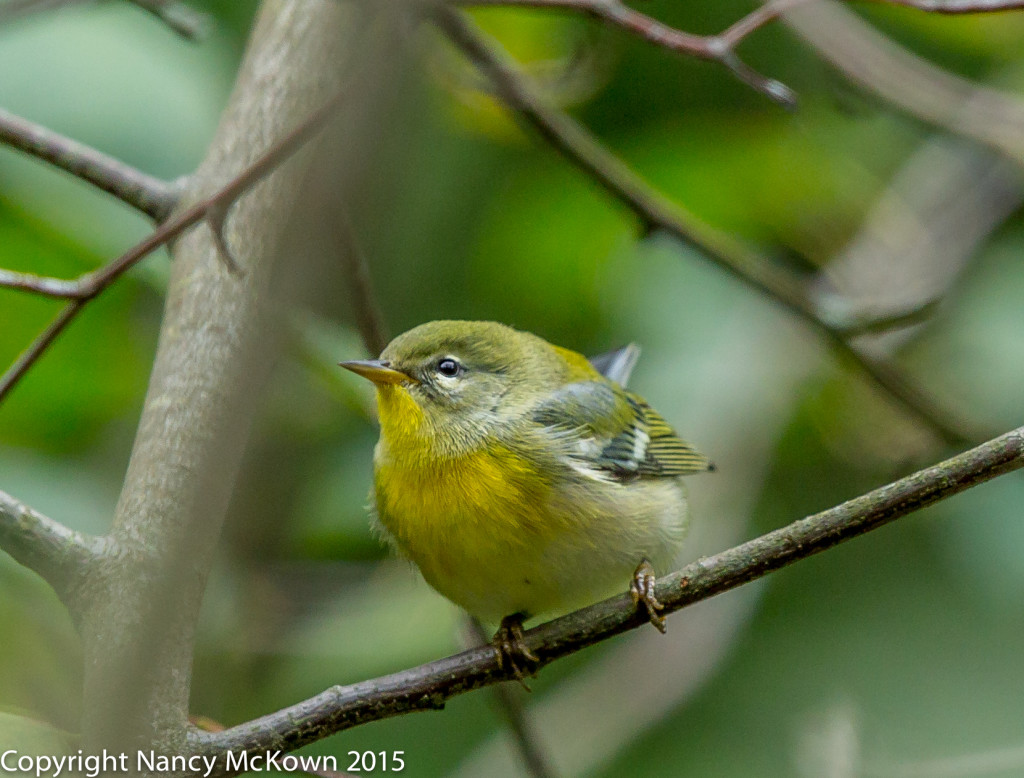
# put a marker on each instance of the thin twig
(757, 19)
(429, 686)
(30, 355)
(91, 284)
(658, 213)
(150, 195)
(716, 48)
(510, 702)
(876, 323)
(368, 315)
(958, 6)
(41, 285)
(58, 554)
(180, 17)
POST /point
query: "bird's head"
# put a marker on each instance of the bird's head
(462, 374)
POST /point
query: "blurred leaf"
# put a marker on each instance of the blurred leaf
(29, 737)
(40, 660)
(973, 353)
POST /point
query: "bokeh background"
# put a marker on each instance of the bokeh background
(896, 654)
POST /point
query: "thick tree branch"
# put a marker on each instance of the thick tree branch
(716, 48)
(152, 196)
(59, 555)
(428, 687)
(217, 344)
(658, 213)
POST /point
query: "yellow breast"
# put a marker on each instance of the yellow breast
(462, 518)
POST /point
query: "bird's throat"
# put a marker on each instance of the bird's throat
(402, 421)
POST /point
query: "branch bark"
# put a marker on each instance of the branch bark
(148, 194)
(214, 350)
(428, 687)
(61, 556)
(215, 209)
(958, 6)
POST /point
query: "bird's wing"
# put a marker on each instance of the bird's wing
(621, 434)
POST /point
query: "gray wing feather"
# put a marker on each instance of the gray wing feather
(617, 365)
(628, 438)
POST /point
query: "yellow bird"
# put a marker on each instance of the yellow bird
(521, 479)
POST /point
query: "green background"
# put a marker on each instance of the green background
(891, 651)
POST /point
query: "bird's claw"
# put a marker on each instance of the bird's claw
(513, 653)
(641, 589)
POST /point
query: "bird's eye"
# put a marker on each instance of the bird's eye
(449, 367)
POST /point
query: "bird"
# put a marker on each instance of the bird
(521, 478)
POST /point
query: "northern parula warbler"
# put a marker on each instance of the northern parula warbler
(519, 478)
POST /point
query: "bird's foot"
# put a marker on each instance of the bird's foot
(513, 653)
(641, 589)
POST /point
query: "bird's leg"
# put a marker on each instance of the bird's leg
(641, 589)
(513, 652)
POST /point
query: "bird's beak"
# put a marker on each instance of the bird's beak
(379, 371)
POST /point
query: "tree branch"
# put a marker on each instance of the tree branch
(41, 285)
(658, 213)
(368, 315)
(214, 209)
(152, 196)
(716, 48)
(958, 6)
(179, 17)
(217, 344)
(31, 355)
(428, 687)
(59, 555)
